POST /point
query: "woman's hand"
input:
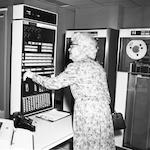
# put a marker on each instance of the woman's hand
(27, 74)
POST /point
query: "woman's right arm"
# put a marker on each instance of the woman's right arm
(66, 78)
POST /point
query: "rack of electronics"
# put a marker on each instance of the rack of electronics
(132, 87)
(34, 34)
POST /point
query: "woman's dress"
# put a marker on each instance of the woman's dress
(92, 121)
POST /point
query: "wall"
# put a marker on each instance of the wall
(136, 18)
(100, 17)
(5, 52)
(133, 18)
(112, 17)
(66, 21)
(146, 16)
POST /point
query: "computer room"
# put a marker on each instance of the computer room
(35, 36)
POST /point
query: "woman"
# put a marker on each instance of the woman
(92, 124)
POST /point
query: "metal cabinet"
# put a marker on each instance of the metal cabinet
(137, 133)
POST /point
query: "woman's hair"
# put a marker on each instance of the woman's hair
(87, 41)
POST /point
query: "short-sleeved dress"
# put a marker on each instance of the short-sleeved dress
(92, 121)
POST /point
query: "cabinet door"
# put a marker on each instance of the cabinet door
(2, 61)
(137, 113)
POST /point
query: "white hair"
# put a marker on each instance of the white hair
(87, 41)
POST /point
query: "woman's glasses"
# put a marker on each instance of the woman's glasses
(72, 45)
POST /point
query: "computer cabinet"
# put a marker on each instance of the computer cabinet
(137, 133)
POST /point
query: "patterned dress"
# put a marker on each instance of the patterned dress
(92, 121)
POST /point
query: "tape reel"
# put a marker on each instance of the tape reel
(136, 49)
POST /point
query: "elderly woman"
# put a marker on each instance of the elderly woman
(92, 124)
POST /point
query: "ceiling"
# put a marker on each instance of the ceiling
(100, 3)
